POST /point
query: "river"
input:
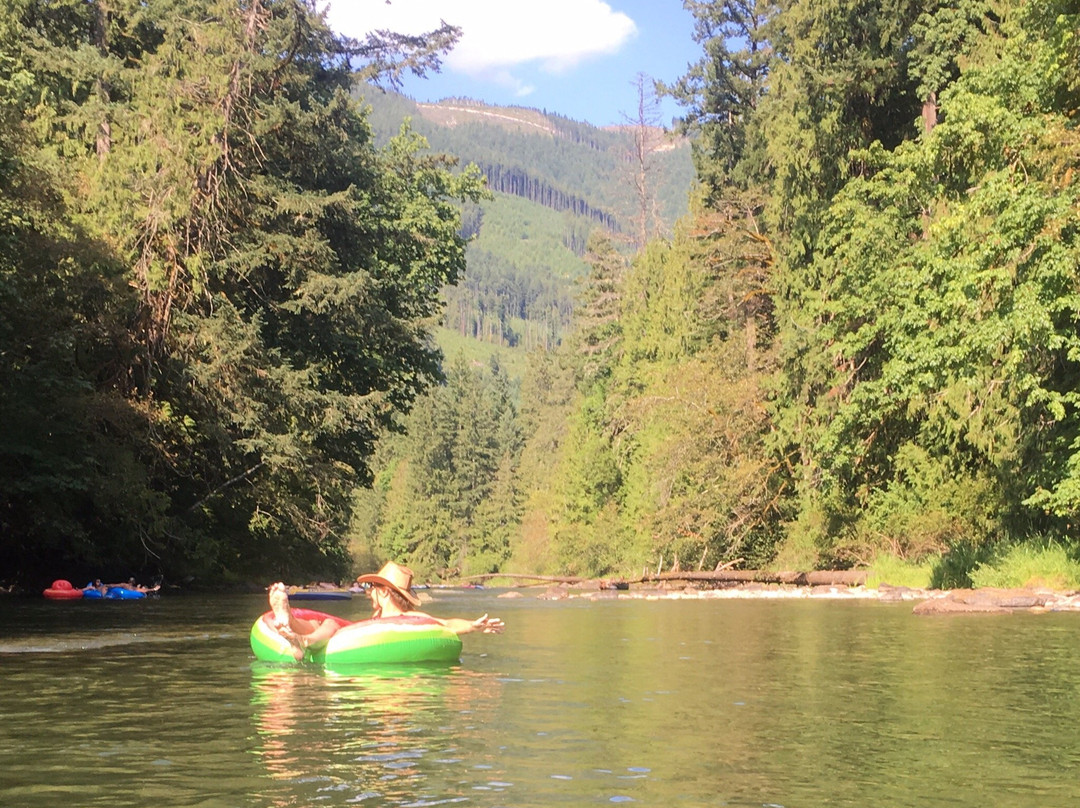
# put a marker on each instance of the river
(654, 703)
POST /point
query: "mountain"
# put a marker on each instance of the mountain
(553, 181)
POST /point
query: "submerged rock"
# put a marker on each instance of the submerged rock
(554, 593)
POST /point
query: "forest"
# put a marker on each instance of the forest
(858, 349)
(215, 290)
(552, 181)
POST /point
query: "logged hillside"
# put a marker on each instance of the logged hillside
(548, 159)
(449, 492)
(553, 181)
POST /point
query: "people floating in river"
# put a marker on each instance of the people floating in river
(129, 584)
(390, 590)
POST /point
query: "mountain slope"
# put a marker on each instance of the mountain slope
(553, 181)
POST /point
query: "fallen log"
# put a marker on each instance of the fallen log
(556, 579)
(812, 578)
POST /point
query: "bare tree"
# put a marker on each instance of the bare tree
(648, 137)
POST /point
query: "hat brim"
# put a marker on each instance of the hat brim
(372, 578)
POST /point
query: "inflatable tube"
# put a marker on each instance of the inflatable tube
(390, 640)
(62, 590)
(90, 593)
(120, 593)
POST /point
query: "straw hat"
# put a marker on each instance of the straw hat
(393, 576)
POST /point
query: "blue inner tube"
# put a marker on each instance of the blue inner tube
(119, 593)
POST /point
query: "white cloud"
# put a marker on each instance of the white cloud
(498, 35)
(502, 77)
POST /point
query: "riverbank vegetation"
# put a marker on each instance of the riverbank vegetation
(214, 289)
(860, 348)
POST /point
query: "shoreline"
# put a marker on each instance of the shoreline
(926, 601)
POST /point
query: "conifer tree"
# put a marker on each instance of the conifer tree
(596, 340)
(723, 90)
(285, 270)
(451, 505)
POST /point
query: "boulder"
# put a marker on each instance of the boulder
(554, 593)
(983, 601)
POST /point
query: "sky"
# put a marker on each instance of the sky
(577, 58)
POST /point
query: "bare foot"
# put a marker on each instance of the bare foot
(279, 605)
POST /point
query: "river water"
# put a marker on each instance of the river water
(658, 703)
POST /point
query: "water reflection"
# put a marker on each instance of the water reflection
(391, 735)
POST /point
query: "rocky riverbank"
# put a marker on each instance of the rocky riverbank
(926, 601)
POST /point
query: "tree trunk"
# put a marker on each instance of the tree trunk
(812, 578)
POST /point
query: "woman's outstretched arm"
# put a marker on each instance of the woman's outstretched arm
(485, 624)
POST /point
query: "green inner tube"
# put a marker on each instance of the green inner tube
(390, 640)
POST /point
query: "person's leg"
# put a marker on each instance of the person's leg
(279, 605)
(321, 635)
(313, 639)
(300, 633)
(284, 621)
(283, 614)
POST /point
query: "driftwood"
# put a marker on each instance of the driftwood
(813, 578)
(555, 579)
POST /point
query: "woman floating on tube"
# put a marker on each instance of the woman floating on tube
(391, 595)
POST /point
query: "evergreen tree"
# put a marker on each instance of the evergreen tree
(66, 450)
(837, 84)
(285, 269)
(449, 505)
(724, 89)
(596, 341)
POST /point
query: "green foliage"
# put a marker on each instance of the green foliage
(517, 287)
(887, 569)
(548, 156)
(514, 360)
(448, 499)
(1041, 564)
(836, 84)
(530, 237)
(659, 294)
(553, 182)
(878, 317)
(944, 35)
(70, 471)
(929, 369)
(923, 511)
(723, 89)
(955, 567)
(241, 283)
(662, 458)
(218, 282)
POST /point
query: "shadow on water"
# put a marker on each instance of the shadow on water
(74, 627)
(98, 641)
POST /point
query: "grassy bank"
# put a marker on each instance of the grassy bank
(1044, 565)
